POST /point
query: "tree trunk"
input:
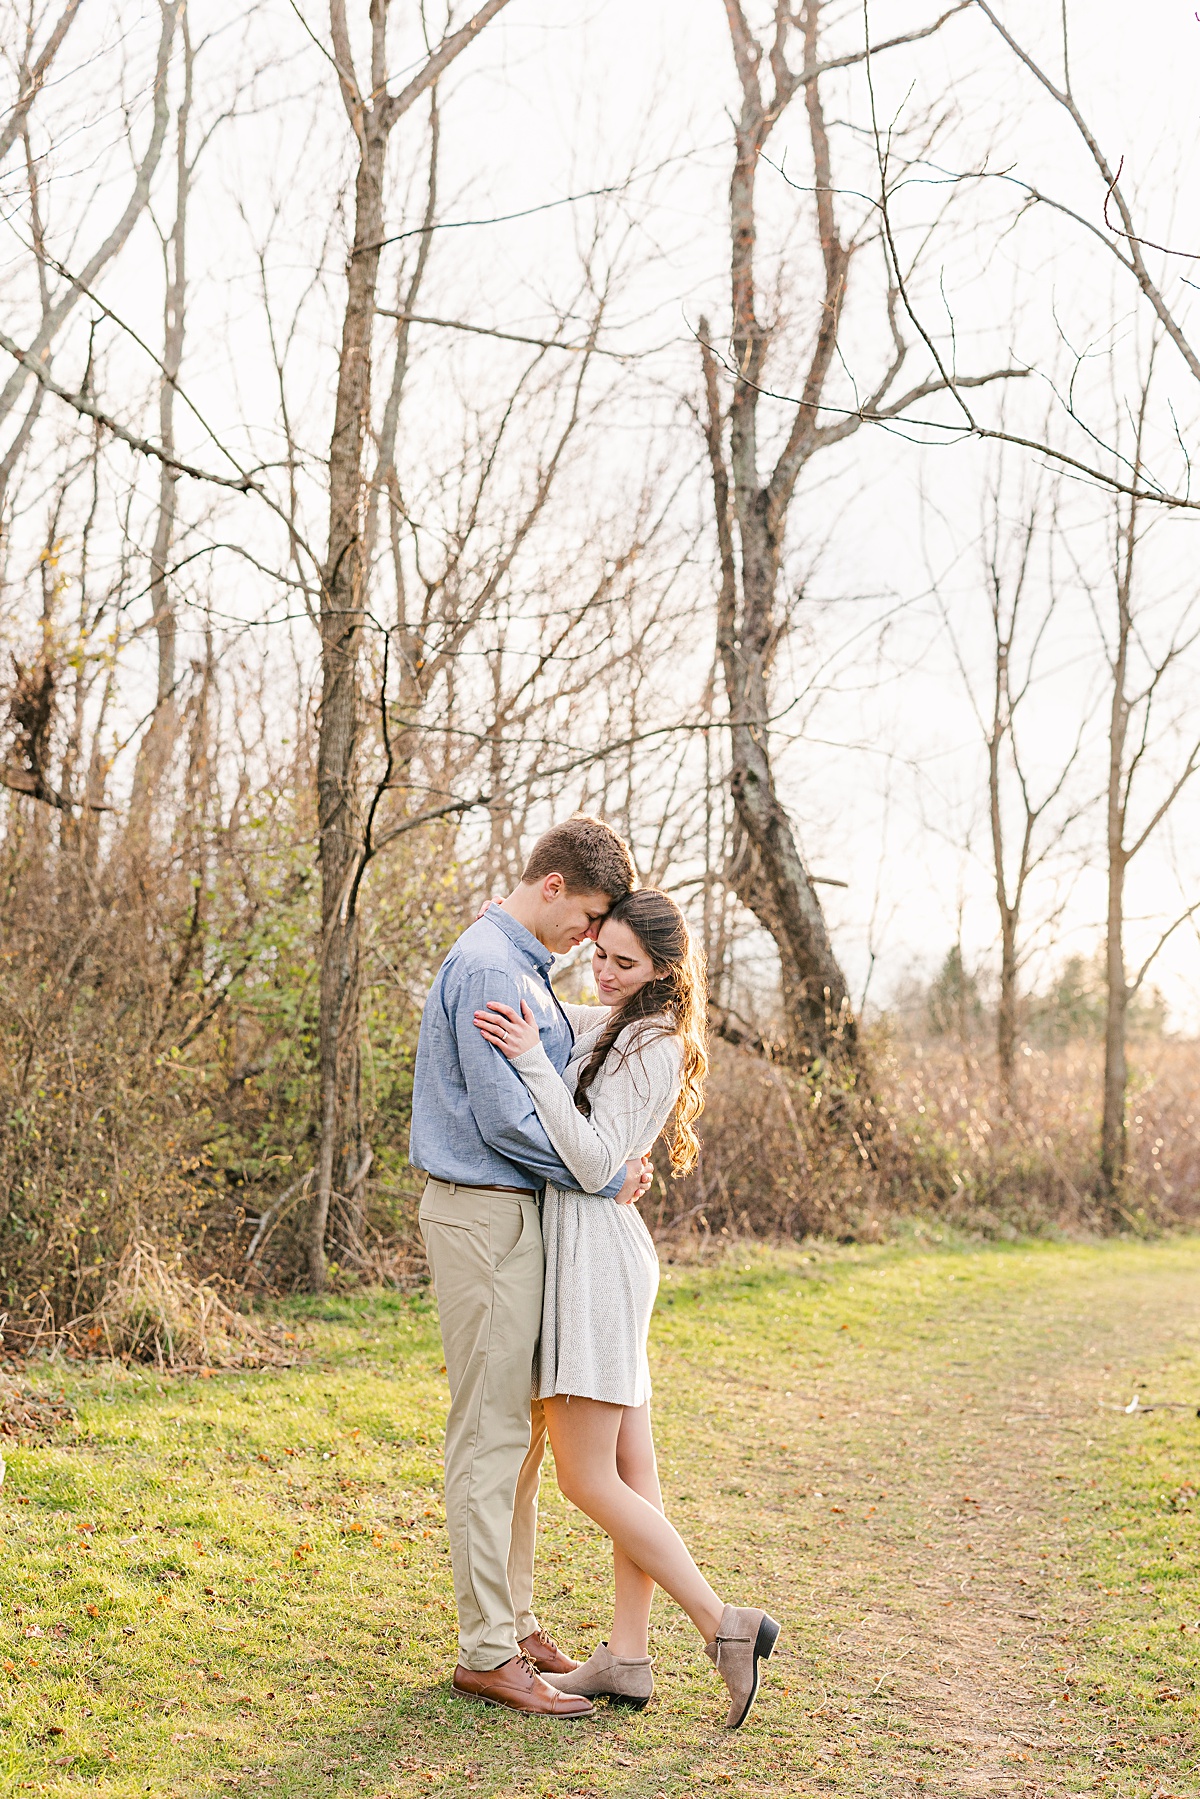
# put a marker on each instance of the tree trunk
(342, 604)
(1009, 910)
(769, 877)
(767, 869)
(342, 1158)
(1112, 1128)
(1006, 1011)
(157, 747)
(1112, 1124)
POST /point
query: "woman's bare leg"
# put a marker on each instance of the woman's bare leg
(583, 1436)
(634, 1591)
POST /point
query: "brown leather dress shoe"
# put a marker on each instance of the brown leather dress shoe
(545, 1654)
(516, 1685)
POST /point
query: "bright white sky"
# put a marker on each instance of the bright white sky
(584, 93)
(569, 97)
(561, 97)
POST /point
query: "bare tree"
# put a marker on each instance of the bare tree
(1140, 690)
(752, 509)
(372, 111)
(1026, 823)
(158, 742)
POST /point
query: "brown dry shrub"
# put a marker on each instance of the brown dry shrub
(158, 1056)
(778, 1160)
(153, 1311)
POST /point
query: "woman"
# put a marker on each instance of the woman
(639, 1060)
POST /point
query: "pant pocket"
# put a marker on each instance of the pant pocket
(454, 1224)
(529, 1229)
(457, 1211)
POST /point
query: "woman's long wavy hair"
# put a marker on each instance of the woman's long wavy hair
(673, 1003)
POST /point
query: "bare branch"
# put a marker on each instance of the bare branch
(35, 77)
(22, 780)
(1113, 192)
(134, 207)
(1170, 931)
(507, 337)
(88, 408)
(395, 105)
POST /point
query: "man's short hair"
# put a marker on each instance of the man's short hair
(589, 856)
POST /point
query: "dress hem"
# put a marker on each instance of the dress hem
(631, 1405)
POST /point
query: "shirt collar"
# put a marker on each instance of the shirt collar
(523, 939)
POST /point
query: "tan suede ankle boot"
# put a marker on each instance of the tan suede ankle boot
(745, 1637)
(626, 1680)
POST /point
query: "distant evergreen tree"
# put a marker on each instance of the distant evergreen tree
(953, 1004)
(1072, 1007)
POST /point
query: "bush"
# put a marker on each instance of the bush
(777, 1160)
(158, 1052)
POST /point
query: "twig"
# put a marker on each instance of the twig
(274, 1212)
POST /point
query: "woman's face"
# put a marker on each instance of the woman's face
(619, 963)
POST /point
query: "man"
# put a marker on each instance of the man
(478, 1138)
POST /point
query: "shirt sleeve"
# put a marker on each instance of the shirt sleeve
(628, 1110)
(501, 1103)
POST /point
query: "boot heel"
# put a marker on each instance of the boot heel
(628, 1702)
(768, 1636)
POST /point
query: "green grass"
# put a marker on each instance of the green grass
(916, 1455)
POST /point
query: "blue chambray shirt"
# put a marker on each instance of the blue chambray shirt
(473, 1119)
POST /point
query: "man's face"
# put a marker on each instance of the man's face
(567, 918)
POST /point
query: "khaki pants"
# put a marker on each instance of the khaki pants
(485, 1254)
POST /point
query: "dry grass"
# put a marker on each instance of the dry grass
(777, 1161)
(158, 1058)
(152, 1311)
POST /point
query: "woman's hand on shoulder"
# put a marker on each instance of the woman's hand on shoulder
(509, 1032)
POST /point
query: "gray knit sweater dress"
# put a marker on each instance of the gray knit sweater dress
(601, 1264)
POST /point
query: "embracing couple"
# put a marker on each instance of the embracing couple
(533, 1120)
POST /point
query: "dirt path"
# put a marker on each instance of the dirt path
(988, 1572)
(942, 1497)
